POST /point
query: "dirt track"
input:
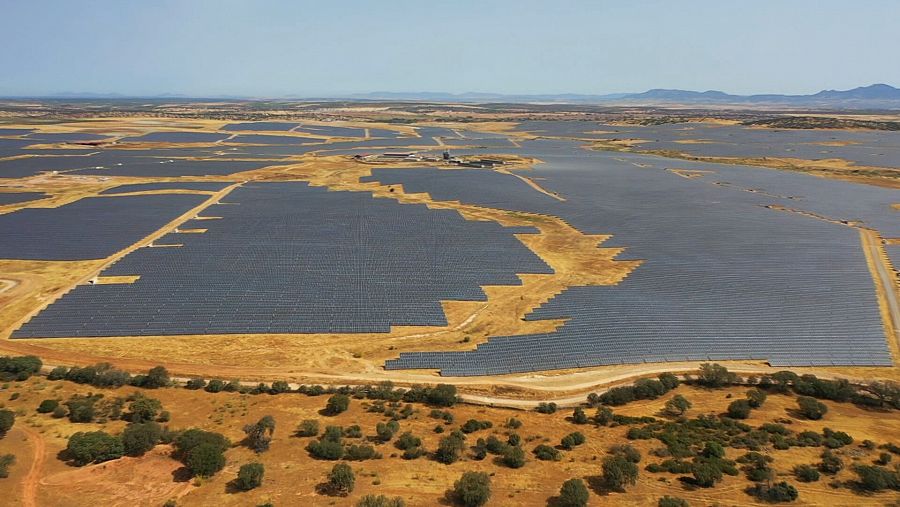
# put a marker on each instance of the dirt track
(32, 480)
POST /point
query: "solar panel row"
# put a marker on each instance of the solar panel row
(290, 258)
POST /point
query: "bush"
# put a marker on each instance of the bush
(407, 441)
(7, 420)
(830, 463)
(360, 453)
(473, 489)
(384, 432)
(715, 375)
(157, 377)
(143, 409)
(573, 493)
(58, 373)
(707, 474)
(618, 472)
(811, 408)
(672, 501)
(545, 452)
(190, 439)
(756, 397)
(341, 479)
(514, 457)
(884, 458)
(668, 380)
(449, 448)
(250, 476)
(875, 478)
(205, 460)
(139, 438)
(472, 426)
(546, 408)
(259, 435)
(47, 406)
(6, 461)
(337, 404)
(326, 449)
(93, 447)
(626, 451)
(739, 409)
(780, 492)
(308, 428)
(806, 473)
(380, 501)
(279, 387)
(195, 383)
(579, 417)
(215, 386)
(513, 423)
(19, 368)
(604, 416)
(572, 440)
(81, 408)
(677, 405)
(59, 412)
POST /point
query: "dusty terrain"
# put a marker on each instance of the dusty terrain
(292, 475)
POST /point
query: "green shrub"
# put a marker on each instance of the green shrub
(93, 447)
(573, 493)
(47, 406)
(250, 476)
(308, 428)
(341, 479)
(806, 473)
(545, 452)
(811, 408)
(473, 489)
(572, 440)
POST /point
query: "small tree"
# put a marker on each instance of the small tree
(157, 377)
(380, 501)
(715, 375)
(442, 395)
(578, 416)
(473, 489)
(830, 463)
(677, 405)
(250, 476)
(806, 473)
(195, 383)
(337, 404)
(739, 409)
(544, 452)
(619, 472)
(811, 408)
(205, 460)
(341, 479)
(308, 428)
(139, 438)
(672, 501)
(449, 448)
(6, 461)
(573, 494)
(143, 409)
(604, 416)
(572, 440)
(215, 386)
(7, 420)
(259, 435)
(47, 406)
(756, 397)
(93, 447)
(707, 474)
(514, 457)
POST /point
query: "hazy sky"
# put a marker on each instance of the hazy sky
(272, 48)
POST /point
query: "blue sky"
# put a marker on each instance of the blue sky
(274, 48)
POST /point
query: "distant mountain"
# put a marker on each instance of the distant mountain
(874, 96)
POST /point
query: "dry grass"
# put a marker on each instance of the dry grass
(291, 475)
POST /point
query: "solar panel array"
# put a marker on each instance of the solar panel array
(208, 186)
(19, 197)
(289, 258)
(871, 148)
(260, 126)
(177, 137)
(723, 277)
(90, 228)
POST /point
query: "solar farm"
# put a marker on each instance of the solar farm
(206, 240)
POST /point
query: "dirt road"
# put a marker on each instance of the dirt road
(32, 480)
